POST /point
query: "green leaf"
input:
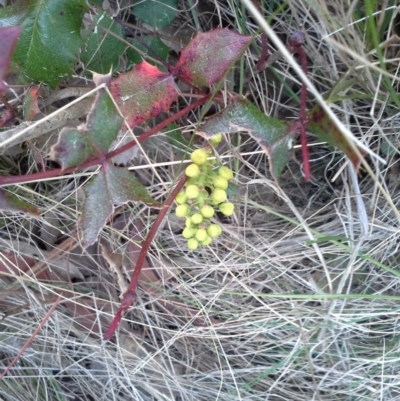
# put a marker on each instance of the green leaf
(156, 13)
(319, 123)
(176, 139)
(156, 45)
(272, 134)
(14, 15)
(329, 238)
(113, 185)
(232, 190)
(389, 146)
(143, 92)
(50, 39)
(102, 50)
(92, 139)
(12, 203)
(207, 58)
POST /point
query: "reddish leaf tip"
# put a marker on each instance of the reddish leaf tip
(8, 40)
(143, 92)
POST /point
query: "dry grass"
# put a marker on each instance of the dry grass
(298, 300)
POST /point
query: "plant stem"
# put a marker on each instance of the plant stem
(32, 337)
(295, 46)
(130, 294)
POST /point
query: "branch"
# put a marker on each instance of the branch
(130, 294)
(43, 175)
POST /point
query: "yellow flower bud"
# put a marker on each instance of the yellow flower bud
(182, 210)
(218, 195)
(188, 232)
(207, 211)
(220, 182)
(192, 170)
(214, 230)
(227, 209)
(197, 218)
(201, 234)
(225, 172)
(192, 244)
(199, 156)
(207, 241)
(215, 140)
(181, 198)
(192, 191)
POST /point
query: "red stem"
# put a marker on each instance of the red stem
(158, 127)
(130, 293)
(295, 46)
(303, 116)
(32, 337)
(6, 180)
(262, 61)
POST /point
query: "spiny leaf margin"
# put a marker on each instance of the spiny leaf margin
(112, 186)
(207, 58)
(272, 134)
(92, 139)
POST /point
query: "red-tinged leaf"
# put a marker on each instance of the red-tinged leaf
(209, 55)
(5, 117)
(73, 147)
(319, 123)
(8, 40)
(11, 203)
(143, 92)
(272, 134)
(92, 139)
(113, 185)
(31, 105)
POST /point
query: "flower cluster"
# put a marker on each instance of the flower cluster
(205, 192)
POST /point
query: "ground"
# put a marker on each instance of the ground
(297, 300)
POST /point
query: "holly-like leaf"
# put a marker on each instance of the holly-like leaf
(102, 50)
(156, 13)
(143, 92)
(272, 134)
(11, 203)
(319, 123)
(113, 185)
(209, 55)
(31, 105)
(8, 39)
(92, 139)
(50, 38)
